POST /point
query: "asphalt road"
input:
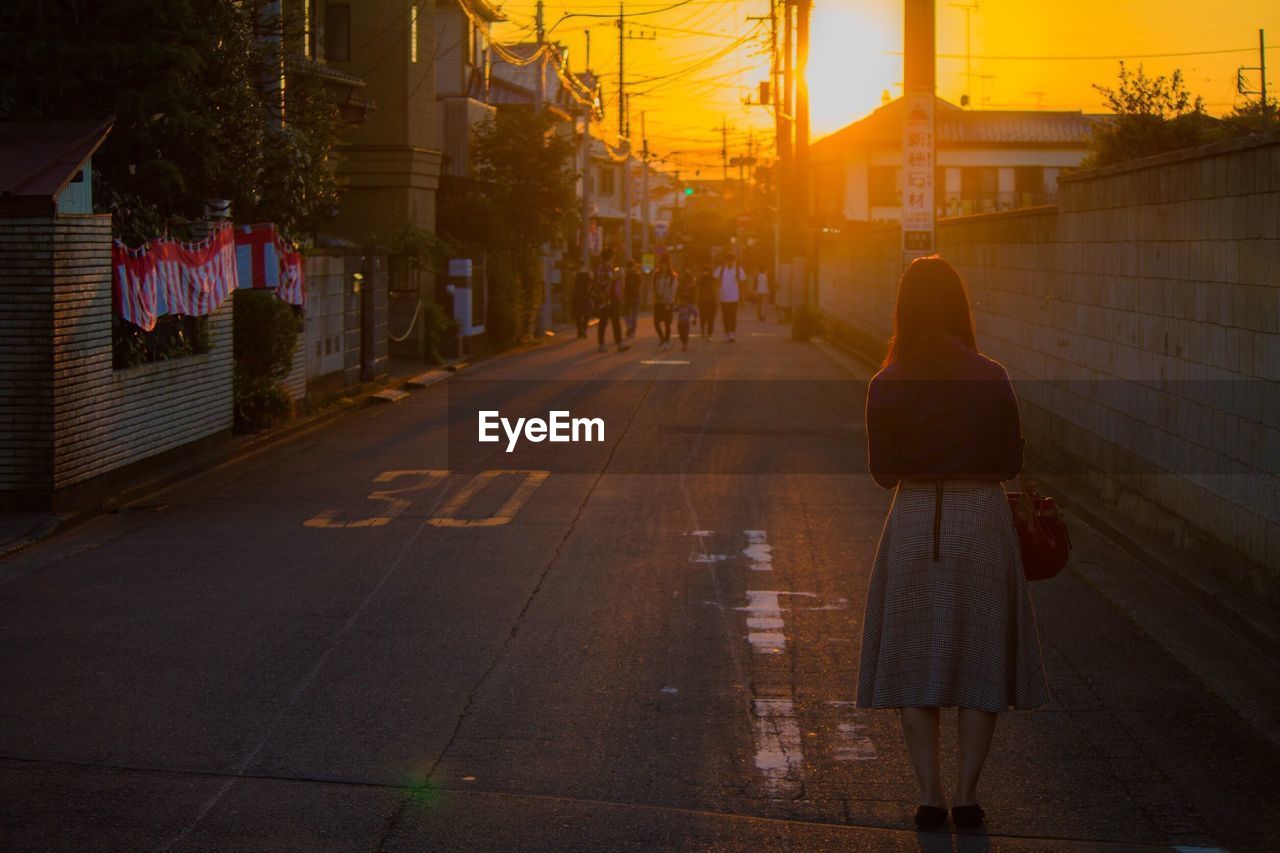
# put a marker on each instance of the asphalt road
(385, 635)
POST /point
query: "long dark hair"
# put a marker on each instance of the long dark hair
(932, 304)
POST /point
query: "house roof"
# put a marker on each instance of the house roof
(517, 84)
(39, 158)
(958, 127)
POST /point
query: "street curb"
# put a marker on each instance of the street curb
(234, 452)
(1225, 604)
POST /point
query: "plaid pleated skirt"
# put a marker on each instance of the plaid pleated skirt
(949, 621)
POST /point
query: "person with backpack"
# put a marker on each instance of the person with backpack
(606, 288)
(665, 281)
(729, 279)
(706, 303)
(686, 303)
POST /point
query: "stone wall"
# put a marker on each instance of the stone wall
(1140, 320)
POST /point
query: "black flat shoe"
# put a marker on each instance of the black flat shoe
(968, 817)
(930, 817)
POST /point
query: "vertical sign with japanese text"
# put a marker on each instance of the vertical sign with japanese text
(917, 175)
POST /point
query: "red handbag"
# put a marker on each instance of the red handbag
(1042, 533)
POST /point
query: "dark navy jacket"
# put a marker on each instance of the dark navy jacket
(953, 418)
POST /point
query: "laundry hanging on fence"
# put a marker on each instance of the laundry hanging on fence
(169, 277)
(264, 260)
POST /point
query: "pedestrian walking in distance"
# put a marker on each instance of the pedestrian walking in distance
(665, 282)
(582, 301)
(762, 292)
(631, 296)
(729, 279)
(708, 297)
(686, 310)
(949, 621)
(606, 289)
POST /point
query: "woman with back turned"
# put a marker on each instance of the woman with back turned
(949, 622)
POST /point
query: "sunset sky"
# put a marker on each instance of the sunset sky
(708, 56)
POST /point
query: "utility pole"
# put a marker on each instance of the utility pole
(786, 156)
(543, 320)
(802, 253)
(623, 140)
(644, 186)
(778, 132)
(1261, 68)
(586, 164)
(586, 167)
(724, 150)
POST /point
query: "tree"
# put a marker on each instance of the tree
(180, 77)
(523, 197)
(1152, 115)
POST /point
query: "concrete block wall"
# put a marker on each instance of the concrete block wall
(27, 277)
(69, 416)
(1140, 320)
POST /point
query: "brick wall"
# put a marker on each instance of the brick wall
(1140, 319)
(56, 361)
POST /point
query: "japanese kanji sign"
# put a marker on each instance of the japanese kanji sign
(917, 174)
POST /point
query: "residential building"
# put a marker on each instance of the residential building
(390, 162)
(986, 160)
(463, 73)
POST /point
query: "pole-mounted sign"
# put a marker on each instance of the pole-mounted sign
(918, 130)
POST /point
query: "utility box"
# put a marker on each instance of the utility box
(466, 297)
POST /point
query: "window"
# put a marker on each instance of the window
(882, 186)
(413, 33)
(979, 187)
(606, 180)
(337, 32)
(309, 28)
(1028, 185)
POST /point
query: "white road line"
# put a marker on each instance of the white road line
(778, 747)
(764, 622)
(852, 743)
(758, 551)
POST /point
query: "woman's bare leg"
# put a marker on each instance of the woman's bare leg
(920, 728)
(975, 728)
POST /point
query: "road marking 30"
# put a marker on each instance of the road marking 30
(397, 501)
(395, 505)
(448, 516)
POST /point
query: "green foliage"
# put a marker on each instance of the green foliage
(1152, 115)
(180, 77)
(438, 325)
(175, 336)
(523, 197)
(259, 400)
(265, 337)
(1252, 117)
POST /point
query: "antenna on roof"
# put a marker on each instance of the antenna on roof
(968, 9)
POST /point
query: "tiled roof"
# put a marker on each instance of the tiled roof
(958, 127)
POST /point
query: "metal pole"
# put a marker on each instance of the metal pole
(644, 186)
(1262, 63)
(622, 136)
(543, 320)
(586, 183)
(801, 201)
